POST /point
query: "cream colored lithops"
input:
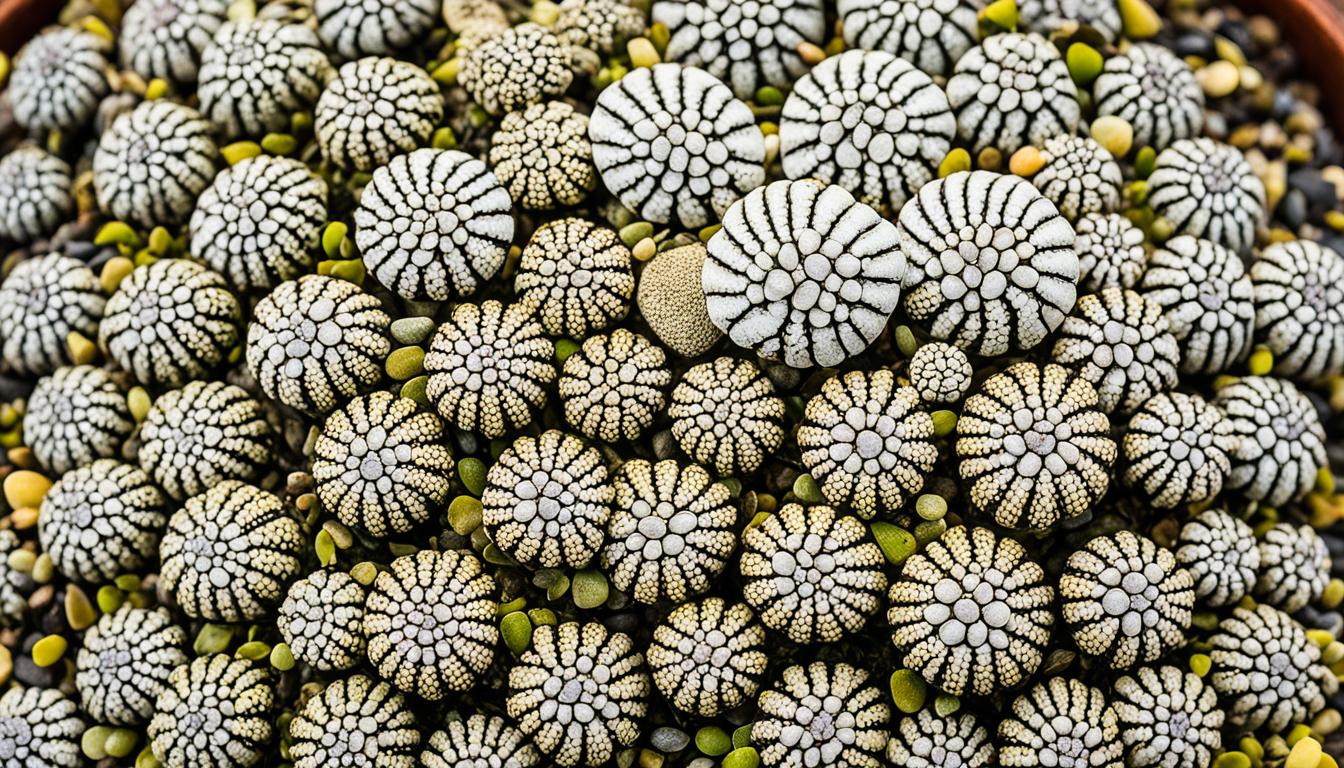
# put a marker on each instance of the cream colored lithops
(1208, 300)
(928, 740)
(614, 386)
(355, 721)
(576, 276)
(1299, 308)
(351, 29)
(708, 657)
(215, 712)
(823, 714)
(1110, 252)
(194, 437)
(100, 521)
(542, 156)
(1222, 555)
(1061, 722)
(1121, 343)
(39, 728)
(1294, 567)
(75, 416)
(125, 661)
(43, 301)
(1282, 440)
(58, 79)
(478, 738)
(164, 38)
(322, 620)
(1176, 450)
(1079, 176)
(726, 415)
(519, 67)
(1169, 718)
(1272, 690)
(673, 304)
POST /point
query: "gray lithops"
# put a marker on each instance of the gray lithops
(928, 740)
(35, 194)
(101, 521)
(870, 122)
(479, 740)
(1169, 718)
(659, 154)
(868, 442)
(381, 464)
(76, 415)
(547, 501)
(1121, 343)
(170, 322)
(208, 431)
(1155, 91)
(1126, 600)
(1012, 90)
(375, 108)
(1110, 252)
(747, 45)
(1207, 298)
(42, 301)
(614, 386)
(257, 73)
(164, 38)
(1208, 190)
(1294, 567)
(671, 531)
(1282, 445)
(1221, 553)
(576, 276)
(355, 721)
(972, 613)
(822, 715)
(354, 28)
(214, 713)
(579, 693)
(489, 368)
(673, 304)
(931, 34)
(124, 663)
(229, 553)
(803, 274)
(1267, 672)
(58, 80)
(39, 728)
(1061, 722)
(726, 415)
(542, 156)
(1049, 16)
(259, 222)
(811, 573)
(519, 67)
(13, 583)
(316, 341)
(940, 373)
(602, 26)
(430, 622)
(434, 224)
(1034, 446)
(1299, 308)
(1079, 176)
(322, 620)
(1176, 450)
(992, 266)
(708, 657)
(153, 163)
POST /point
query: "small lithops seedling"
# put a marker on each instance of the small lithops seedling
(931, 34)
(745, 44)
(76, 415)
(42, 301)
(1012, 90)
(322, 620)
(1121, 343)
(1282, 441)
(657, 152)
(1299, 308)
(579, 693)
(519, 67)
(153, 162)
(1169, 718)
(479, 739)
(259, 222)
(542, 156)
(1059, 722)
(726, 415)
(206, 432)
(164, 38)
(1153, 90)
(35, 195)
(125, 662)
(1176, 450)
(576, 276)
(433, 224)
(603, 26)
(822, 714)
(254, 74)
(940, 373)
(928, 740)
(39, 728)
(1079, 176)
(375, 108)
(355, 721)
(100, 521)
(614, 386)
(1207, 298)
(870, 122)
(992, 266)
(1208, 190)
(1269, 690)
(708, 657)
(351, 29)
(230, 698)
(170, 322)
(1294, 567)
(1110, 252)
(1048, 16)
(229, 552)
(58, 80)
(803, 274)
(670, 298)
(971, 613)
(1221, 554)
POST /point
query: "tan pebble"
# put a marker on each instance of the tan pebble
(24, 518)
(22, 560)
(1113, 133)
(6, 665)
(43, 569)
(645, 249)
(1026, 162)
(25, 488)
(1251, 78)
(811, 53)
(1219, 79)
(79, 611)
(22, 456)
(642, 53)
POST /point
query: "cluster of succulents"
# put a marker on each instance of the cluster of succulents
(669, 384)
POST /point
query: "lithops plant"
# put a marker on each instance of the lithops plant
(35, 194)
(125, 661)
(1176, 450)
(153, 163)
(1121, 343)
(1266, 671)
(58, 80)
(822, 714)
(1012, 90)
(929, 740)
(1282, 441)
(517, 68)
(576, 276)
(1207, 189)
(43, 301)
(1058, 722)
(322, 620)
(101, 521)
(603, 26)
(39, 728)
(614, 386)
(75, 416)
(214, 713)
(355, 721)
(1221, 553)
(1294, 567)
(164, 39)
(477, 739)
(670, 298)
(1299, 308)
(1110, 252)
(726, 415)
(351, 29)
(375, 108)
(542, 156)
(1169, 718)
(1048, 16)
(708, 657)
(1155, 91)
(931, 34)
(940, 373)
(255, 73)
(1079, 176)
(1208, 300)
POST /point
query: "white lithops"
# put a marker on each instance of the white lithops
(1294, 567)
(1267, 672)
(803, 274)
(1208, 300)
(124, 663)
(42, 301)
(603, 26)
(1050, 16)
(1207, 189)
(576, 276)
(208, 431)
(614, 386)
(542, 156)
(870, 122)
(708, 657)
(1079, 176)
(255, 74)
(164, 38)
(322, 620)
(354, 28)
(357, 722)
(992, 266)
(1058, 723)
(1012, 90)
(931, 34)
(928, 740)
(433, 224)
(745, 44)
(1122, 344)
(58, 79)
(822, 715)
(940, 373)
(1221, 553)
(1155, 91)
(1299, 308)
(726, 415)
(1176, 450)
(35, 194)
(373, 109)
(1110, 252)
(479, 740)
(101, 521)
(39, 728)
(1169, 718)
(658, 152)
(1282, 445)
(516, 68)
(153, 163)
(75, 416)
(215, 712)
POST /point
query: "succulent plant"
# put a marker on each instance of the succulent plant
(1221, 553)
(931, 34)
(153, 163)
(542, 156)
(1169, 718)
(1110, 252)
(1207, 298)
(1049, 16)
(255, 73)
(102, 520)
(214, 713)
(13, 582)
(708, 657)
(1121, 343)
(670, 298)
(1061, 722)
(1299, 308)
(1208, 190)
(1267, 672)
(354, 28)
(614, 386)
(1176, 450)
(58, 79)
(519, 67)
(355, 721)
(927, 740)
(206, 432)
(726, 415)
(35, 194)
(1079, 176)
(479, 740)
(125, 661)
(1294, 567)
(576, 276)
(1155, 91)
(1282, 441)
(322, 620)
(940, 373)
(76, 415)
(822, 715)
(43, 300)
(603, 26)
(39, 728)
(375, 108)
(1012, 90)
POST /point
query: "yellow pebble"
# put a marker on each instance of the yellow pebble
(1113, 133)
(79, 612)
(956, 161)
(810, 53)
(1139, 20)
(1333, 594)
(24, 518)
(49, 650)
(1219, 79)
(1026, 162)
(1261, 362)
(239, 151)
(156, 89)
(645, 249)
(82, 351)
(642, 53)
(114, 271)
(25, 488)
(1306, 754)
